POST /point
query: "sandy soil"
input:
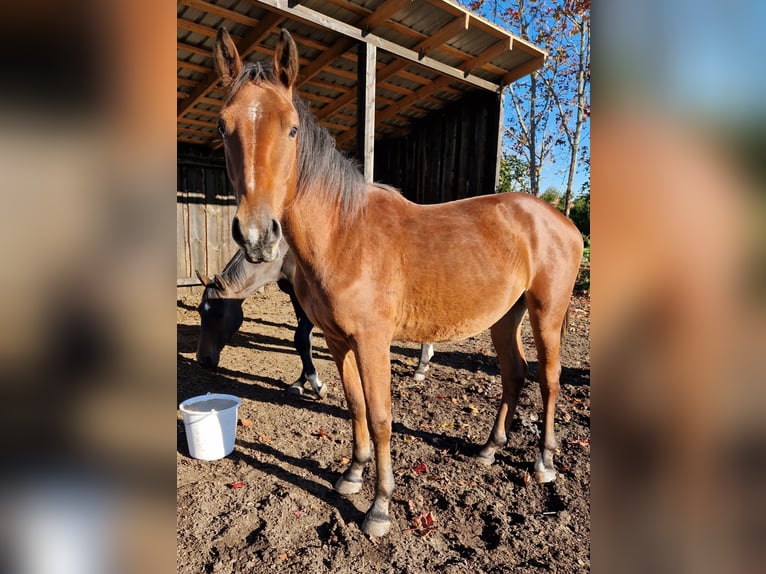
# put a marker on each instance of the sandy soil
(286, 517)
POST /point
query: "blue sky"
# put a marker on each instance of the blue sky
(555, 171)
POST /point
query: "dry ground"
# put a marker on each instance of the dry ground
(287, 518)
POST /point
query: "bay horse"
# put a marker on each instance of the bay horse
(221, 316)
(360, 275)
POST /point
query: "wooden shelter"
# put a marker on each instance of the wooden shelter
(412, 88)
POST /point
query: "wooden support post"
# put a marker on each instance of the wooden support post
(365, 107)
(500, 133)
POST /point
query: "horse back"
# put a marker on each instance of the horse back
(454, 269)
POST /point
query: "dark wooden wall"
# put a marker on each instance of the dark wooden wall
(205, 207)
(449, 155)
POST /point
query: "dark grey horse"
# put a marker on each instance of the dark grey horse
(221, 314)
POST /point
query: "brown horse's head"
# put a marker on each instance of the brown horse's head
(259, 126)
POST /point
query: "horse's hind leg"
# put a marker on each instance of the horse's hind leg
(426, 352)
(506, 337)
(547, 317)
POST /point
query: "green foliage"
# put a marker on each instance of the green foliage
(513, 174)
(580, 214)
(552, 196)
(583, 275)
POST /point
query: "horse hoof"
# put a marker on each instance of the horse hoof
(376, 525)
(296, 389)
(322, 392)
(418, 376)
(346, 487)
(484, 460)
(544, 475)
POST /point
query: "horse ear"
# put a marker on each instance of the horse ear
(286, 59)
(226, 57)
(220, 282)
(202, 278)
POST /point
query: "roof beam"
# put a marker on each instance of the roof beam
(195, 132)
(203, 6)
(446, 32)
(383, 13)
(191, 66)
(501, 47)
(523, 70)
(419, 94)
(330, 54)
(194, 122)
(315, 18)
(244, 47)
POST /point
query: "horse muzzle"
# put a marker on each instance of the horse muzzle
(258, 245)
(208, 360)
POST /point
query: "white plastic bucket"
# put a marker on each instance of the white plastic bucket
(211, 425)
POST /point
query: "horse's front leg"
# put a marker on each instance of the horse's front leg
(302, 342)
(350, 481)
(374, 362)
(303, 346)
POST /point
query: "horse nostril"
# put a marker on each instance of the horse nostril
(275, 232)
(236, 232)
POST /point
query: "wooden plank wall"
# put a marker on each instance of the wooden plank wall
(205, 206)
(450, 155)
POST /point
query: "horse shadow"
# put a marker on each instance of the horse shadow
(265, 323)
(488, 364)
(261, 342)
(188, 335)
(322, 491)
(181, 304)
(193, 379)
(186, 338)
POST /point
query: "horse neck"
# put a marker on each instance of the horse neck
(244, 278)
(318, 232)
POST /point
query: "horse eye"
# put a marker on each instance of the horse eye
(293, 132)
(221, 128)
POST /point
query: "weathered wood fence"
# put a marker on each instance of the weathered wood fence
(205, 207)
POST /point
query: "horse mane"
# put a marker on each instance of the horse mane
(234, 271)
(322, 168)
(234, 274)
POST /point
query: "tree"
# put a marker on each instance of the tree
(551, 195)
(513, 174)
(529, 98)
(580, 213)
(550, 108)
(570, 88)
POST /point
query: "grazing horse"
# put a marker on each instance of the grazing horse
(221, 314)
(359, 274)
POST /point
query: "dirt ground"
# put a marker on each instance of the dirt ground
(286, 517)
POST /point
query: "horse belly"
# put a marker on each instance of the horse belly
(451, 319)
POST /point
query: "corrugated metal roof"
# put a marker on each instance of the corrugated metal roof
(430, 54)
